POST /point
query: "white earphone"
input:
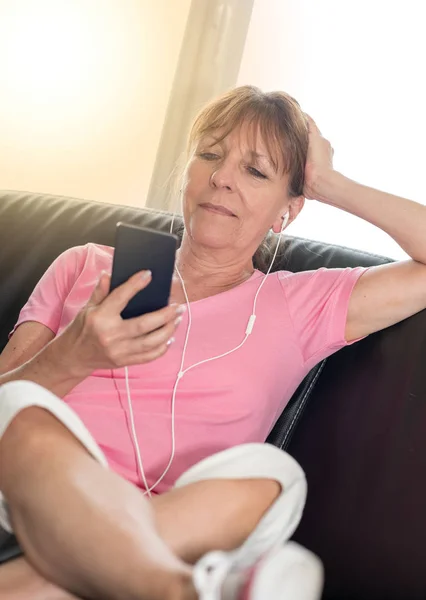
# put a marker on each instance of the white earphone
(182, 371)
(285, 221)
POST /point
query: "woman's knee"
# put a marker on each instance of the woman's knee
(31, 415)
(22, 422)
(29, 430)
(21, 443)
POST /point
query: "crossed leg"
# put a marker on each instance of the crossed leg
(91, 533)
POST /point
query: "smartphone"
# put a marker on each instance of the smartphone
(139, 249)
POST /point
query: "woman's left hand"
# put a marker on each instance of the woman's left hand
(319, 162)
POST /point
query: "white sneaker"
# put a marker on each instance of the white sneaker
(289, 572)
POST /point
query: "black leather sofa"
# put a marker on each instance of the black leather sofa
(356, 424)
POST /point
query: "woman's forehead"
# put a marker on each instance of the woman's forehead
(249, 139)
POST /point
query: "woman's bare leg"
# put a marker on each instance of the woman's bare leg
(114, 543)
(20, 581)
(187, 519)
(215, 514)
(184, 521)
(81, 526)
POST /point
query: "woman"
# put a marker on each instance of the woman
(87, 530)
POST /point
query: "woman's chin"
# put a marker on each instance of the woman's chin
(218, 234)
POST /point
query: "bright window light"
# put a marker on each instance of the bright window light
(357, 67)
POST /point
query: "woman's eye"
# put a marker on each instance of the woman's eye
(208, 156)
(256, 173)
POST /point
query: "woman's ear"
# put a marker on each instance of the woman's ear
(281, 222)
(296, 206)
(293, 209)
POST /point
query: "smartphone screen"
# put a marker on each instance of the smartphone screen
(138, 249)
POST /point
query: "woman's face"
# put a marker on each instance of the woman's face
(232, 193)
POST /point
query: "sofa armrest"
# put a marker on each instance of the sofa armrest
(362, 444)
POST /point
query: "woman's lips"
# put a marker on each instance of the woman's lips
(218, 209)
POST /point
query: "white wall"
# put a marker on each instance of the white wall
(357, 67)
(84, 87)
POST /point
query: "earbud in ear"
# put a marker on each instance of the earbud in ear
(285, 221)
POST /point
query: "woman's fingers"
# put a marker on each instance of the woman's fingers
(152, 341)
(146, 357)
(145, 324)
(313, 127)
(118, 299)
(151, 337)
(101, 290)
(108, 340)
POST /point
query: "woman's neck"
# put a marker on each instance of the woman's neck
(205, 272)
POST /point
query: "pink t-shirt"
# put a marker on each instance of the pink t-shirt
(301, 319)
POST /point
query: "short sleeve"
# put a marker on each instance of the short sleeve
(47, 300)
(318, 303)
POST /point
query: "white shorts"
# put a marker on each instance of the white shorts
(247, 461)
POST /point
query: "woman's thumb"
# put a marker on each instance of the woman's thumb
(101, 290)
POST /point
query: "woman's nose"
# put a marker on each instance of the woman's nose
(222, 178)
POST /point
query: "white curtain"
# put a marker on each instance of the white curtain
(357, 66)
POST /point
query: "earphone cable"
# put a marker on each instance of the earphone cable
(183, 371)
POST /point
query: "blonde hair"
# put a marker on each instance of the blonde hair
(275, 115)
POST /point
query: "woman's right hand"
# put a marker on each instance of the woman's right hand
(99, 338)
